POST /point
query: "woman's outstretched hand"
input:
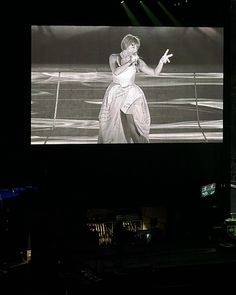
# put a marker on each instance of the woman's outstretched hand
(165, 58)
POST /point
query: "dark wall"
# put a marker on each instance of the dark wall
(148, 167)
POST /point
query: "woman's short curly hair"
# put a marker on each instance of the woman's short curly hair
(128, 40)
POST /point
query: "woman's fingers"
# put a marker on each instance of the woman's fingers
(167, 50)
(165, 57)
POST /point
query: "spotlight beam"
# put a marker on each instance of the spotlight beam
(130, 15)
(150, 14)
(170, 16)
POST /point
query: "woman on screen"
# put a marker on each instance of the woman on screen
(124, 115)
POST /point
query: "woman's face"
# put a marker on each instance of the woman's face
(132, 48)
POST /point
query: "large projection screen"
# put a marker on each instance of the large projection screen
(70, 74)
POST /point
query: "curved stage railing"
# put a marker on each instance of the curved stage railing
(184, 107)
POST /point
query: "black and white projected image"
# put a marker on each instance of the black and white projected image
(70, 75)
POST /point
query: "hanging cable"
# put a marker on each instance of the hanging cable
(197, 108)
(55, 110)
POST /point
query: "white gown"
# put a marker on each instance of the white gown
(123, 95)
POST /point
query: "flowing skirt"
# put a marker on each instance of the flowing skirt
(129, 100)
